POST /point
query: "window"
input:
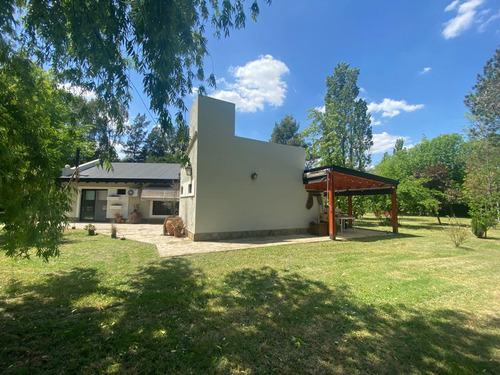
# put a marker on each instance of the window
(190, 188)
(165, 208)
(121, 191)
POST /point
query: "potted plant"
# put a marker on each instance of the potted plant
(168, 228)
(118, 217)
(169, 225)
(114, 231)
(90, 228)
(178, 225)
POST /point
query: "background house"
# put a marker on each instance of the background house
(151, 188)
(237, 186)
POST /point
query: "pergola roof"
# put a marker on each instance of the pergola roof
(347, 181)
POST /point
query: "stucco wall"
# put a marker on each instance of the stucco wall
(187, 205)
(127, 203)
(226, 199)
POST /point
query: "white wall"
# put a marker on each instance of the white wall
(225, 198)
(127, 203)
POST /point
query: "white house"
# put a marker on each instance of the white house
(240, 187)
(100, 194)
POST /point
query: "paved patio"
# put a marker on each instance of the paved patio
(172, 246)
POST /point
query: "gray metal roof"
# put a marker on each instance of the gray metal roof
(131, 172)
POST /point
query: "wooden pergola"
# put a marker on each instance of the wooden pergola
(345, 182)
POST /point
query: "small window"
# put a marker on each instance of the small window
(190, 188)
(182, 190)
(165, 208)
(121, 191)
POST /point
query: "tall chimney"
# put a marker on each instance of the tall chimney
(77, 157)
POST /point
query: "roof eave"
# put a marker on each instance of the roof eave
(123, 180)
(348, 171)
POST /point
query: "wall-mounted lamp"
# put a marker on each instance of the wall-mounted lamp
(189, 170)
(254, 176)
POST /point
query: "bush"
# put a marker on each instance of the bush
(480, 224)
(458, 233)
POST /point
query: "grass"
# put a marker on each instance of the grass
(408, 304)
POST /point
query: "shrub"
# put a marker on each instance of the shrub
(480, 224)
(90, 228)
(458, 233)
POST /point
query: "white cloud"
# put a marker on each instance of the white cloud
(391, 107)
(256, 84)
(194, 91)
(427, 69)
(482, 27)
(466, 16)
(451, 6)
(376, 122)
(384, 142)
(320, 109)
(119, 150)
(77, 90)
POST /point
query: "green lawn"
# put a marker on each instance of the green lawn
(407, 304)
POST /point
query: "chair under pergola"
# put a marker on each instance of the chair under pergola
(338, 181)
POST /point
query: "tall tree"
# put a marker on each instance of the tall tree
(483, 101)
(38, 135)
(398, 146)
(341, 134)
(100, 136)
(136, 135)
(287, 132)
(161, 147)
(482, 180)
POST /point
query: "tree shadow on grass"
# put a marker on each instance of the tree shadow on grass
(41, 325)
(389, 236)
(175, 319)
(404, 223)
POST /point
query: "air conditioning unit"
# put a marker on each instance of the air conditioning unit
(133, 192)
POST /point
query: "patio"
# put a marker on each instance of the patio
(171, 246)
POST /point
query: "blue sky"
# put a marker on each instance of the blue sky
(417, 61)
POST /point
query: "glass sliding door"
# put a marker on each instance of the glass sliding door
(100, 205)
(93, 207)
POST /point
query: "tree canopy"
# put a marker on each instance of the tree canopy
(166, 147)
(482, 180)
(134, 146)
(96, 44)
(431, 174)
(483, 101)
(38, 135)
(287, 132)
(342, 134)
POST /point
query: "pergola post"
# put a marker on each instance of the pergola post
(349, 209)
(394, 213)
(331, 206)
